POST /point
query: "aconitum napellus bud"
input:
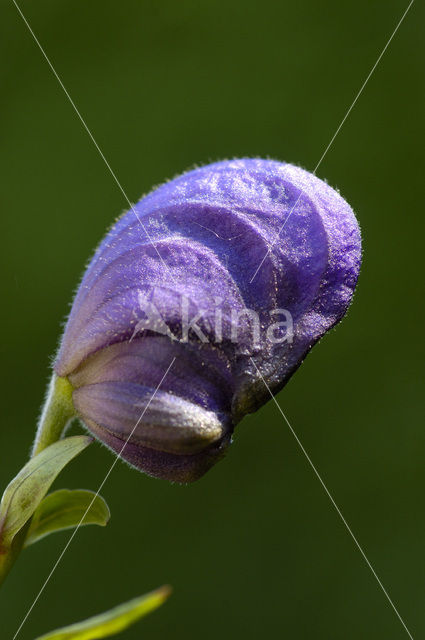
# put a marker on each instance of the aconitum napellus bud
(231, 272)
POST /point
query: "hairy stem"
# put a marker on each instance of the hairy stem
(58, 410)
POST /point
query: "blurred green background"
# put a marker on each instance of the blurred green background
(255, 548)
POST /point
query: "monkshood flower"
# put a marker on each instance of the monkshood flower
(231, 272)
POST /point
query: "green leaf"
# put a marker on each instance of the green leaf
(25, 492)
(65, 509)
(113, 621)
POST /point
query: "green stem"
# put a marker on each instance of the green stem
(9, 555)
(58, 410)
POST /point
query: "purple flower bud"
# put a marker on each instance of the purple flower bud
(235, 268)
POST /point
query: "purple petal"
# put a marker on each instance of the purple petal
(256, 235)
